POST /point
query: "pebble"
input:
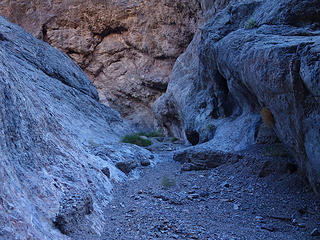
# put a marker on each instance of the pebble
(236, 206)
(315, 232)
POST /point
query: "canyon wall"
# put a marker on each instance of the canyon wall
(127, 48)
(252, 55)
(58, 145)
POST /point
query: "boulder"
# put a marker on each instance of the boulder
(202, 158)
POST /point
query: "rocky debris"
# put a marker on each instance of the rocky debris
(127, 48)
(227, 202)
(197, 158)
(50, 120)
(127, 157)
(72, 211)
(252, 55)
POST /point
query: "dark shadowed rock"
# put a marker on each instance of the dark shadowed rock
(73, 209)
(106, 171)
(266, 135)
(200, 158)
(49, 121)
(127, 166)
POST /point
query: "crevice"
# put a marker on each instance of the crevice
(44, 33)
(109, 30)
(3, 38)
(164, 57)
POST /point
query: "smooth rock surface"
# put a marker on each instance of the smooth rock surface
(50, 120)
(253, 54)
(127, 48)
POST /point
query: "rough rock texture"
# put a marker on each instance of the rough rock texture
(127, 48)
(50, 120)
(256, 54)
(131, 156)
(170, 108)
(196, 158)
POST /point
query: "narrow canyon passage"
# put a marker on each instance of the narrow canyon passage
(237, 200)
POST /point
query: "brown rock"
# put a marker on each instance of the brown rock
(126, 48)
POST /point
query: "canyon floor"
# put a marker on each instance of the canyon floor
(232, 201)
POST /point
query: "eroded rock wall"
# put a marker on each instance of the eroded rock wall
(127, 48)
(253, 54)
(171, 108)
(52, 182)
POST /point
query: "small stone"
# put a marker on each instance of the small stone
(126, 167)
(140, 192)
(236, 206)
(204, 194)
(193, 196)
(294, 221)
(301, 225)
(144, 162)
(268, 228)
(315, 232)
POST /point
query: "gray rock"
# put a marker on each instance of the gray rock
(50, 120)
(200, 158)
(127, 166)
(73, 209)
(266, 135)
(273, 64)
(145, 162)
(126, 157)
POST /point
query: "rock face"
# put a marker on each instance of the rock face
(50, 120)
(170, 108)
(253, 54)
(127, 48)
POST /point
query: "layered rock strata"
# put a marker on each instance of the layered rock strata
(127, 48)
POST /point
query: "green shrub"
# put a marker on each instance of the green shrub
(137, 140)
(250, 24)
(174, 139)
(167, 182)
